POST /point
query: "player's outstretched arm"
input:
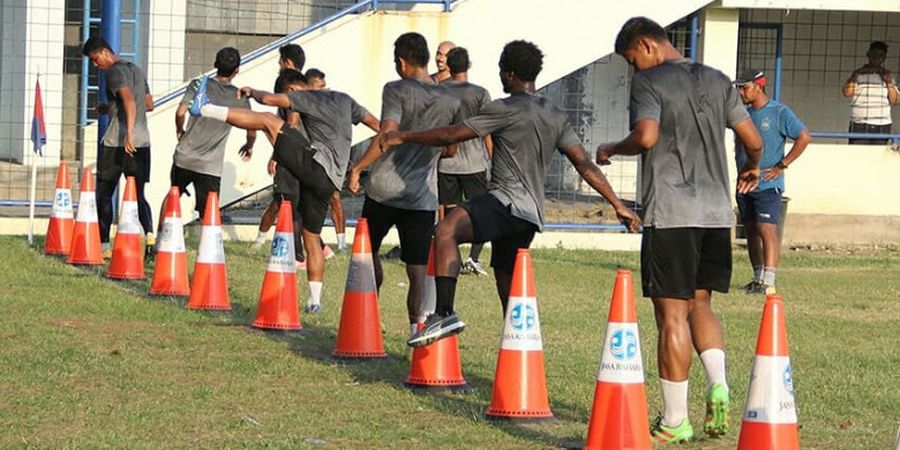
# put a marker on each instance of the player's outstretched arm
(436, 137)
(748, 176)
(372, 122)
(595, 178)
(265, 98)
(642, 138)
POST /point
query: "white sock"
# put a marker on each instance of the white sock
(214, 112)
(675, 402)
(758, 273)
(342, 241)
(714, 363)
(413, 328)
(261, 236)
(315, 293)
(768, 278)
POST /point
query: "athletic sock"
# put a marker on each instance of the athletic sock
(675, 401)
(475, 251)
(758, 273)
(768, 278)
(413, 329)
(714, 362)
(214, 112)
(315, 293)
(446, 291)
(261, 237)
(342, 241)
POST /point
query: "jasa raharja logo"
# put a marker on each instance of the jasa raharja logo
(788, 378)
(623, 345)
(522, 317)
(279, 247)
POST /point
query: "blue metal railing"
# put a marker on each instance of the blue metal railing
(843, 135)
(362, 5)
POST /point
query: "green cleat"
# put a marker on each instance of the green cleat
(716, 423)
(684, 432)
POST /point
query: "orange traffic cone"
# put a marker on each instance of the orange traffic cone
(62, 219)
(436, 366)
(359, 334)
(170, 276)
(209, 288)
(770, 417)
(278, 308)
(619, 414)
(520, 385)
(127, 261)
(86, 248)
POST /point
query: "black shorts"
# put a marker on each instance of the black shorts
(304, 176)
(492, 221)
(415, 228)
(203, 185)
(115, 162)
(452, 187)
(675, 262)
(760, 206)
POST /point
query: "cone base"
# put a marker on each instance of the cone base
(85, 262)
(170, 293)
(56, 253)
(501, 416)
(125, 276)
(277, 327)
(208, 308)
(769, 436)
(358, 355)
(419, 386)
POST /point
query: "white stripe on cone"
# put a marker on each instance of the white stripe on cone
(770, 398)
(171, 238)
(212, 249)
(281, 257)
(522, 327)
(62, 205)
(620, 359)
(87, 208)
(128, 219)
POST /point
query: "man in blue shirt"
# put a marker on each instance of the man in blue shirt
(760, 208)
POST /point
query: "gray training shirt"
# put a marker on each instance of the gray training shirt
(526, 129)
(685, 175)
(328, 117)
(125, 74)
(202, 148)
(406, 176)
(471, 156)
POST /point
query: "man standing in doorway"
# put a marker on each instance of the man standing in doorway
(872, 91)
(761, 209)
(679, 112)
(126, 143)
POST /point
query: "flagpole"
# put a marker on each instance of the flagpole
(32, 194)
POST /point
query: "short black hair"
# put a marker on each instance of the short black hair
(636, 28)
(227, 62)
(879, 46)
(458, 60)
(523, 59)
(293, 53)
(413, 48)
(94, 44)
(288, 77)
(315, 73)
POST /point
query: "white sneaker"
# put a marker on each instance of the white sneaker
(474, 267)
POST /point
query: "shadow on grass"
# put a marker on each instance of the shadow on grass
(316, 343)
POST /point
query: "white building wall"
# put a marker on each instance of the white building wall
(165, 45)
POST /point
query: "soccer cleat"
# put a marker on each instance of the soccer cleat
(327, 252)
(671, 435)
(474, 267)
(199, 99)
(437, 327)
(150, 248)
(754, 288)
(106, 250)
(769, 290)
(313, 308)
(716, 423)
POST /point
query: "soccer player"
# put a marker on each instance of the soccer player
(200, 153)
(526, 129)
(401, 189)
(679, 112)
(440, 60)
(126, 143)
(466, 173)
(318, 163)
(760, 209)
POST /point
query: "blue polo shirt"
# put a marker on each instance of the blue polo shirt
(775, 123)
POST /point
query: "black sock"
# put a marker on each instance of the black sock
(446, 292)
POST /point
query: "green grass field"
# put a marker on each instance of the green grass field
(87, 362)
